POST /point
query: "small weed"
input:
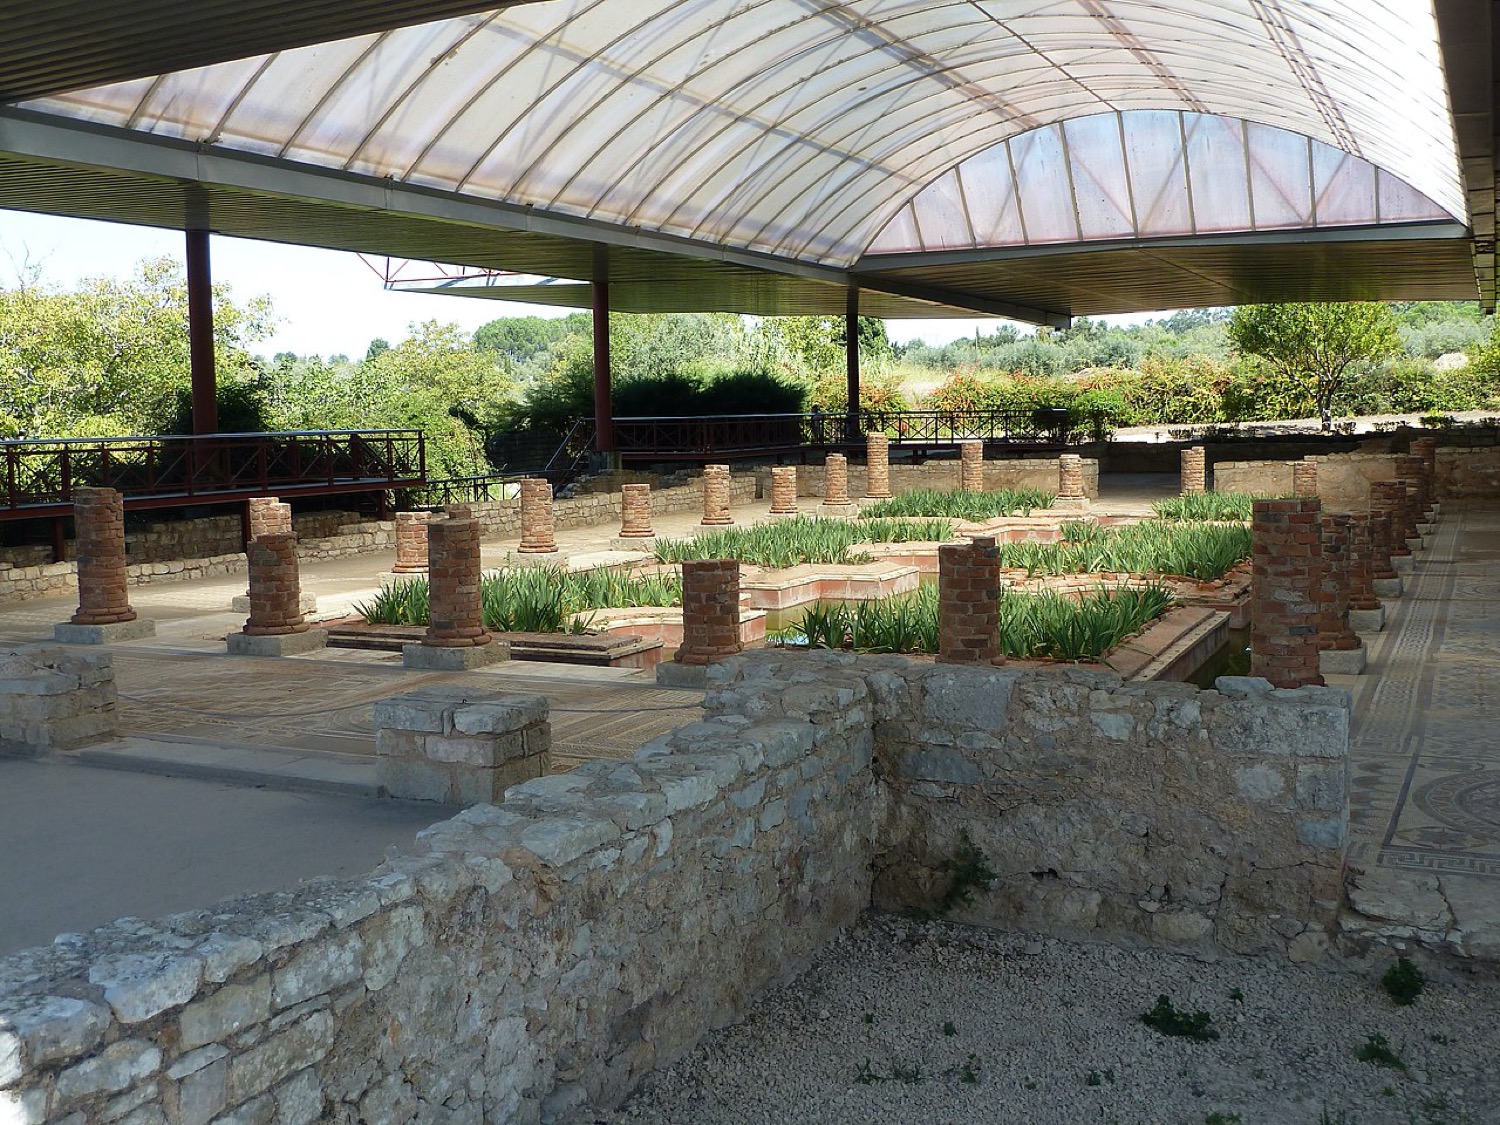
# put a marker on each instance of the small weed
(969, 1072)
(1188, 1025)
(1259, 1074)
(1237, 996)
(869, 1017)
(968, 871)
(866, 1075)
(1094, 1079)
(1388, 1091)
(1376, 1049)
(1403, 982)
(1439, 1038)
(949, 1028)
(1222, 1119)
(911, 1075)
(1029, 1084)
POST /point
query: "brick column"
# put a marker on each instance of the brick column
(836, 481)
(716, 496)
(455, 619)
(411, 542)
(1387, 501)
(275, 588)
(1412, 468)
(635, 511)
(969, 603)
(1426, 448)
(1341, 652)
(1285, 600)
(1194, 471)
(1305, 477)
(458, 512)
(877, 467)
(1366, 613)
(268, 516)
(971, 467)
(99, 519)
(784, 490)
(1070, 493)
(710, 611)
(538, 532)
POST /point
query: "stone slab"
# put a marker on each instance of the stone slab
(669, 673)
(390, 577)
(68, 633)
(1389, 587)
(306, 603)
(1401, 564)
(430, 658)
(1342, 661)
(1426, 528)
(534, 558)
(1067, 504)
(1367, 620)
(277, 644)
(643, 544)
(1417, 544)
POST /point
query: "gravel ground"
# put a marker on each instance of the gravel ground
(905, 1022)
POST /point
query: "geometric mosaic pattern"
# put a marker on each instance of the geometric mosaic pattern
(1425, 748)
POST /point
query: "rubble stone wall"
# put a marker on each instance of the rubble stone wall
(1343, 478)
(1040, 472)
(503, 517)
(527, 959)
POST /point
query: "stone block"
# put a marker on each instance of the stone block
(1401, 564)
(1342, 661)
(276, 644)
(1388, 587)
(1367, 620)
(414, 779)
(1070, 504)
(306, 603)
(225, 1012)
(436, 658)
(669, 673)
(512, 714)
(69, 634)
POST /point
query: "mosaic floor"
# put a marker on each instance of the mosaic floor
(1425, 751)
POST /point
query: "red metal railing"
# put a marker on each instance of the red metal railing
(39, 476)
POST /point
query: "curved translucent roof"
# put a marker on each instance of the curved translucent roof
(802, 127)
(1148, 174)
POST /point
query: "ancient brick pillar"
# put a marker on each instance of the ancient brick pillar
(1361, 563)
(1412, 468)
(836, 481)
(453, 569)
(538, 532)
(1334, 631)
(1194, 470)
(275, 588)
(716, 496)
(784, 490)
(99, 520)
(969, 603)
(1305, 477)
(411, 542)
(1381, 569)
(1070, 477)
(1285, 585)
(971, 466)
(458, 511)
(268, 516)
(710, 611)
(1426, 448)
(1387, 504)
(635, 511)
(877, 467)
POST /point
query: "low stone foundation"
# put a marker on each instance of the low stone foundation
(1039, 472)
(460, 747)
(53, 699)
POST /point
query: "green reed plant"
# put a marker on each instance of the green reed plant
(800, 540)
(1045, 625)
(1192, 550)
(973, 506)
(1208, 507)
(541, 599)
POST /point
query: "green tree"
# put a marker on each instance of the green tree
(1318, 345)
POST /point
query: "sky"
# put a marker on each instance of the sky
(328, 302)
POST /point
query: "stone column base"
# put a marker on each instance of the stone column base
(276, 644)
(669, 673)
(1401, 564)
(1417, 544)
(645, 543)
(1342, 661)
(838, 510)
(1367, 620)
(1388, 587)
(535, 558)
(71, 634)
(1070, 504)
(306, 603)
(435, 658)
(1426, 528)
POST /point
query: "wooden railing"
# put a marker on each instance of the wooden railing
(152, 472)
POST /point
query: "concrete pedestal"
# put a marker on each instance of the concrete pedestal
(1388, 587)
(1341, 661)
(1401, 564)
(276, 644)
(1417, 544)
(306, 603)
(536, 558)
(1367, 620)
(114, 633)
(669, 673)
(1071, 504)
(644, 543)
(461, 658)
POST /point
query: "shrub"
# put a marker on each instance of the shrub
(1163, 1017)
(1403, 982)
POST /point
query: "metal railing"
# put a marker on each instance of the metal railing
(39, 476)
(458, 490)
(742, 435)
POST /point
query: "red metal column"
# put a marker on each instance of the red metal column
(851, 360)
(200, 290)
(604, 421)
